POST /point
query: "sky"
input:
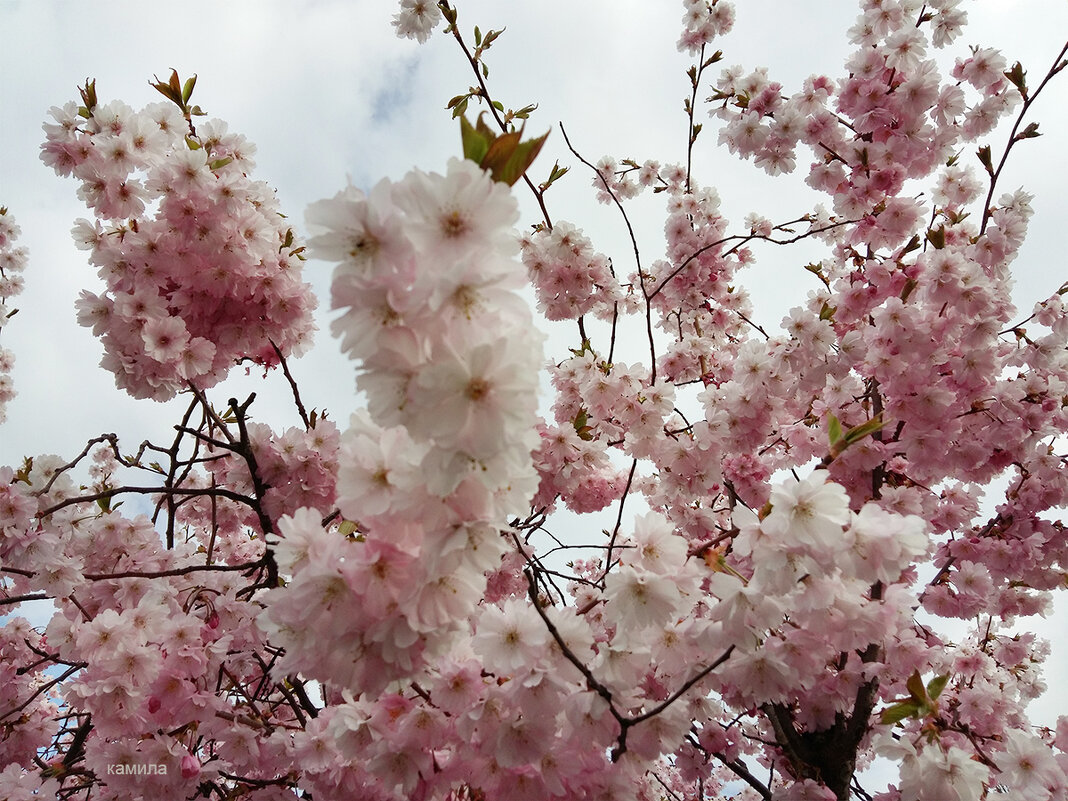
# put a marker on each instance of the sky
(328, 94)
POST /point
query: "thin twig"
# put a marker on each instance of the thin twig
(1058, 64)
(293, 386)
(637, 255)
(619, 520)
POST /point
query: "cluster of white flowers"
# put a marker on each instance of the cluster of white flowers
(447, 347)
(441, 459)
(930, 772)
(811, 529)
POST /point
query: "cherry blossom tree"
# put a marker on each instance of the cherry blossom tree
(826, 543)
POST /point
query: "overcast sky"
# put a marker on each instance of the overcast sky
(326, 91)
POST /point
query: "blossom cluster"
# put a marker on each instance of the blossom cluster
(159, 645)
(200, 268)
(12, 263)
(295, 469)
(570, 278)
(441, 459)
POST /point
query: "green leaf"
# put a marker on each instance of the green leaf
(461, 108)
(505, 156)
(1018, 77)
(936, 685)
(857, 433)
(483, 128)
(187, 89)
(554, 174)
(586, 346)
(526, 111)
(500, 151)
(172, 89)
(984, 158)
(834, 429)
(475, 141)
(23, 473)
(581, 419)
(520, 160)
(898, 712)
(582, 426)
(478, 36)
(937, 238)
(88, 93)
(906, 290)
(915, 687)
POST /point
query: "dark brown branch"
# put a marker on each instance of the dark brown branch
(111, 438)
(739, 769)
(110, 493)
(591, 681)
(302, 695)
(43, 689)
(18, 599)
(245, 449)
(172, 471)
(178, 571)
(675, 696)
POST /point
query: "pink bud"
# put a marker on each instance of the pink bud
(154, 704)
(213, 620)
(190, 766)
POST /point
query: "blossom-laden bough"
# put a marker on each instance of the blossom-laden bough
(386, 612)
